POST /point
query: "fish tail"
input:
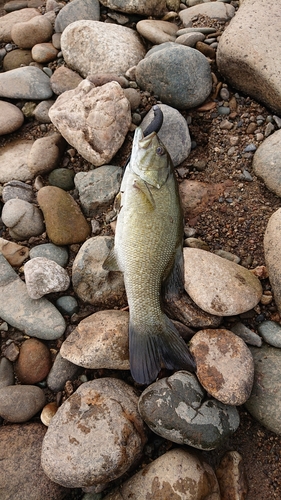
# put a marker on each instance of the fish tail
(154, 347)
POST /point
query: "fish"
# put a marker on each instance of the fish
(148, 250)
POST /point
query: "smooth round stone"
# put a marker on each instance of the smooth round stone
(100, 428)
(190, 39)
(48, 412)
(65, 223)
(18, 189)
(43, 276)
(22, 218)
(19, 403)
(13, 161)
(28, 82)
(44, 52)
(15, 5)
(267, 162)
(67, 305)
(225, 366)
(52, 252)
(271, 333)
(176, 408)
(77, 9)
(6, 373)
(8, 21)
(265, 401)
(64, 79)
(34, 362)
(155, 8)
(36, 30)
(61, 371)
(41, 112)
(62, 178)
(45, 153)
(11, 118)
(249, 336)
(157, 31)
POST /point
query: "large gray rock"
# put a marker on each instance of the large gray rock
(141, 7)
(267, 162)
(28, 82)
(244, 48)
(91, 47)
(180, 76)
(75, 10)
(272, 249)
(19, 403)
(95, 436)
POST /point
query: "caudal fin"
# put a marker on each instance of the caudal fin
(152, 348)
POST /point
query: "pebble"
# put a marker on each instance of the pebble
(155, 8)
(13, 161)
(44, 53)
(62, 178)
(170, 476)
(14, 253)
(19, 403)
(34, 362)
(48, 412)
(6, 373)
(185, 71)
(43, 276)
(90, 279)
(67, 304)
(11, 118)
(35, 318)
(51, 252)
(65, 223)
(267, 162)
(272, 248)
(205, 49)
(41, 112)
(100, 428)
(157, 31)
(27, 34)
(64, 79)
(61, 371)
(219, 286)
(45, 154)
(100, 341)
(12, 5)
(232, 477)
(22, 218)
(77, 9)
(28, 83)
(190, 39)
(103, 134)
(246, 334)
(271, 333)
(12, 18)
(225, 365)
(18, 189)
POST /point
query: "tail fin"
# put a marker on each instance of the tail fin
(154, 347)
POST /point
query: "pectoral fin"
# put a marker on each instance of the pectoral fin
(173, 285)
(110, 263)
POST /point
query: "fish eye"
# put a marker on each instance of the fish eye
(160, 151)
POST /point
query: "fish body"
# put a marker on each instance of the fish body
(148, 250)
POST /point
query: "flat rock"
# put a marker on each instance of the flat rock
(94, 120)
(190, 39)
(64, 79)
(45, 154)
(91, 281)
(77, 10)
(65, 223)
(267, 162)
(272, 248)
(170, 476)
(50, 251)
(98, 188)
(28, 83)
(17, 58)
(157, 31)
(255, 30)
(225, 365)
(99, 427)
(14, 253)
(61, 371)
(18, 189)
(34, 362)
(10, 19)
(22, 475)
(22, 218)
(100, 341)
(214, 10)
(176, 408)
(11, 118)
(36, 318)
(219, 286)
(180, 76)
(265, 401)
(43, 276)
(26, 34)
(271, 333)
(19, 403)
(141, 7)
(13, 161)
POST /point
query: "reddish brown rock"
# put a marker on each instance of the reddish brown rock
(34, 362)
(231, 477)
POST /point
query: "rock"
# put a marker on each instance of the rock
(157, 31)
(28, 83)
(44, 53)
(62, 178)
(190, 39)
(80, 117)
(77, 10)
(180, 76)
(218, 285)
(249, 336)
(133, 97)
(106, 446)
(22, 218)
(26, 34)
(265, 401)
(225, 365)
(48, 412)
(64, 79)
(100, 341)
(35, 318)
(9, 20)
(67, 305)
(52, 252)
(231, 477)
(176, 408)
(271, 333)
(41, 112)
(91, 281)
(65, 223)
(61, 371)
(115, 48)
(155, 8)
(34, 362)
(19, 403)
(214, 10)
(43, 276)
(196, 196)
(17, 58)
(267, 163)
(14, 253)
(18, 189)
(12, 5)
(22, 475)
(178, 143)
(6, 373)
(171, 476)
(272, 248)
(13, 161)
(45, 154)
(252, 32)
(98, 188)
(11, 118)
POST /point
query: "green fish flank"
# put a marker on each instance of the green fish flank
(148, 250)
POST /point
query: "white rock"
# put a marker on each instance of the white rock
(22, 218)
(43, 276)
(13, 161)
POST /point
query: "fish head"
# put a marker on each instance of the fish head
(150, 159)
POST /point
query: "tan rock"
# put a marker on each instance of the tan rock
(9, 20)
(272, 249)
(11, 118)
(44, 52)
(28, 33)
(45, 154)
(14, 253)
(214, 10)
(64, 79)
(17, 58)
(157, 31)
(232, 477)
